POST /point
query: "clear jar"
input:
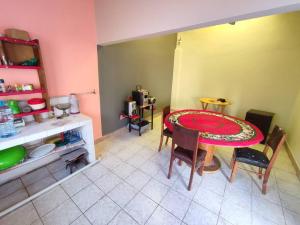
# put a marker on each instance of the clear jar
(7, 128)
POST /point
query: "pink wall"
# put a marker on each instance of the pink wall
(67, 34)
(119, 20)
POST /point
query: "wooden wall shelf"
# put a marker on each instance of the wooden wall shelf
(20, 67)
(19, 41)
(35, 112)
(11, 93)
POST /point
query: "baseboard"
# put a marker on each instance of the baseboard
(292, 158)
(98, 140)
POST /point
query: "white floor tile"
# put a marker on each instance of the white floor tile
(162, 176)
(162, 217)
(138, 179)
(102, 212)
(140, 208)
(209, 199)
(136, 160)
(111, 162)
(290, 202)
(291, 218)
(88, 196)
(122, 194)
(25, 215)
(268, 210)
(259, 220)
(123, 219)
(235, 214)
(150, 168)
(107, 182)
(95, 172)
(198, 215)
(82, 220)
(176, 204)
(75, 184)
(213, 184)
(50, 200)
(59, 216)
(123, 170)
(238, 196)
(222, 221)
(181, 186)
(155, 190)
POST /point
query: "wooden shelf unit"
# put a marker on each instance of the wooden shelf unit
(39, 68)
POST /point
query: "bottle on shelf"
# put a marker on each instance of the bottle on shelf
(7, 128)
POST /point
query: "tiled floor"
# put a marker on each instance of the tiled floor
(129, 186)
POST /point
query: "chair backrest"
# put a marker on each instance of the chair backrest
(185, 138)
(276, 138)
(275, 142)
(166, 111)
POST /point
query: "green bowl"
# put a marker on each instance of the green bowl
(11, 156)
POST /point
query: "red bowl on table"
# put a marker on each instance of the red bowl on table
(37, 103)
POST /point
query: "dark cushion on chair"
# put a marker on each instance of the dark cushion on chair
(187, 155)
(252, 157)
(167, 132)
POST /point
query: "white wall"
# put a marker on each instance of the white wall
(254, 63)
(120, 20)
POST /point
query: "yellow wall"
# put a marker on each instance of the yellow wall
(254, 63)
(294, 130)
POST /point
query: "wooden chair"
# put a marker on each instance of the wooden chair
(164, 131)
(187, 150)
(259, 159)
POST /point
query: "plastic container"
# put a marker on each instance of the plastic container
(2, 86)
(37, 103)
(14, 106)
(7, 128)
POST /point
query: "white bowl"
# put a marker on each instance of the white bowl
(38, 106)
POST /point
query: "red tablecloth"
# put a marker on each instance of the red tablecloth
(216, 128)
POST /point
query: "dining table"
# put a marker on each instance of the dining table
(216, 129)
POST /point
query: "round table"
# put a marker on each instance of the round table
(216, 129)
(214, 101)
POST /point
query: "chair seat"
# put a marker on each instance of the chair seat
(252, 157)
(187, 155)
(167, 132)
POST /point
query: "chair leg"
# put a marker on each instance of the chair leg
(170, 167)
(259, 173)
(233, 171)
(167, 140)
(191, 177)
(232, 160)
(265, 182)
(201, 169)
(160, 143)
(179, 162)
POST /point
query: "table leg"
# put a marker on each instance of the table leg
(222, 108)
(204, 105)
(212, 163)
